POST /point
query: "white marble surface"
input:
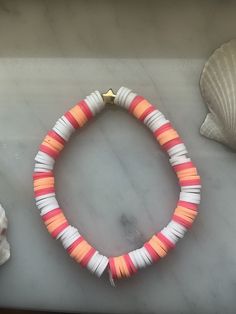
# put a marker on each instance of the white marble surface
(112, 180)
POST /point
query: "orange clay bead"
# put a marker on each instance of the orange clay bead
(162, 244)
(53, 143)
(79, 115)
(186, 211)
(183, 216)
(51, 147)
(124, 266)
(187, 172)
(84, 248)
(45, 186)
(117, 267)
(43, 181)
(157, 247)
(140, 108)
(56, 224)
(167, 136)
(50, 220)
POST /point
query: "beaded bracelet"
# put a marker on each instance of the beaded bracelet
(52, 215)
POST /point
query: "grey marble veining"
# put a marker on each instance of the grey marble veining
(113, 181)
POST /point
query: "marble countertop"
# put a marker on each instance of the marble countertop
(113, 181)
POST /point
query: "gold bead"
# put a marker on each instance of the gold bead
(109, 97)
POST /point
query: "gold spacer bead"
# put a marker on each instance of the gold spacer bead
(109, 97)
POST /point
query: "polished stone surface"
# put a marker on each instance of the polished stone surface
(113, 181)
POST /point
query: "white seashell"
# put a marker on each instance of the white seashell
(218, 89)
(4, 245)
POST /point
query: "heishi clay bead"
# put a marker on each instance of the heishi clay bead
(74, 243)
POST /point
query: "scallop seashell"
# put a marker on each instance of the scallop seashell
(4, 245)
(218, 89)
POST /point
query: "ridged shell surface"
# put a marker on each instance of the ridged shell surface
(218, 89)
(4, 245)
